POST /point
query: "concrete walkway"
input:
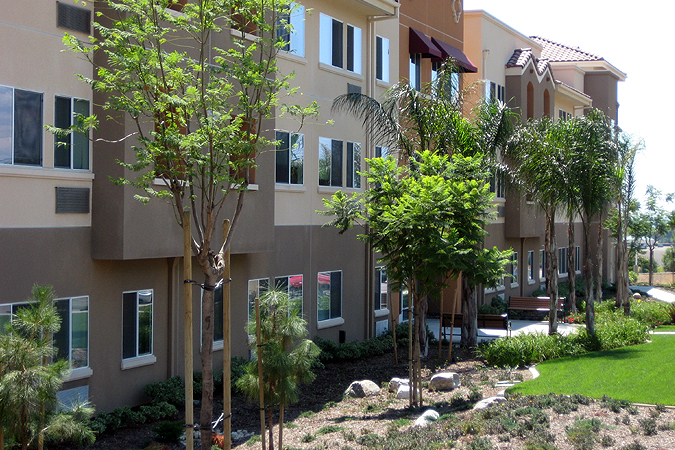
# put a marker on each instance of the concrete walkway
(517, 327)
(661, 295)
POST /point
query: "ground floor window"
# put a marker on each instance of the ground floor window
(329, 295)
(292, 285)
(380, 297)
(256, 288)
(137, 323)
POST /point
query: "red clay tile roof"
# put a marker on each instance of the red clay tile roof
(521, 56)
(561, 53)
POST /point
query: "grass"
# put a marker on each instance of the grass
(665, 328)
(639, 374)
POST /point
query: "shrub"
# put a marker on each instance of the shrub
(496, 306)
(329, 429)
(309, 437)
(171, 391)
(480, 444)
(650, 312)
(169, 431)
(159, 411)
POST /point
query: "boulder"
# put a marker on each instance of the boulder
(444, 381)
(403, 392)
(427, 417)
(395, 383)
(637, 296)
(363, 388)
(487, 402)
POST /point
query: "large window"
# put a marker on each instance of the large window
(381, 294)
(331, 159)
(292, 285)
(562, 261)
(353, 165)
(21, 128)
(382, 59)
(415, 75)
(329, 295)
(294, 37)
(290, 154)
(513, 268)
(72, 151)
(494, 91)
(137, 323)
(530, 266)
(339, 43)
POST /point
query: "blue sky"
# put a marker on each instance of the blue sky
(635, 37)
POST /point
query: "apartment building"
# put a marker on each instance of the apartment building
(536, 77)
(116, 264)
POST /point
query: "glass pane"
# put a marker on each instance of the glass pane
(336, 163)
(144, 328)
(61, 338)
(349, 182)
(282, 156)
(27, 128)
(80, 141)
(324, 161)
(62, 119)
(323, 296)
(80, 332)
(357, 165)
(129, 325)
(6, 114)
(297, 157)
(335, 294)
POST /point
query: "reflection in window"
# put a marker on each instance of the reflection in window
(256, 288)
(137, 324)
(290, 154)
(330, 162)
(380, 297)
(292, 285)
(353, 165)
(530, 265)
(21, 130)
(404, 305)
(329, 295)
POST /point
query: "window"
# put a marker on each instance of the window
(333, 49)
(542, 264)
(353, 165)
(381, 152)
(330, 162)
(256, 288)
(404, 305)
(494, 91)
(530, 265)
(562, 261)
(72, 339)
(577, 259)
(137, 324)
(217, 312)
(380, 298)
(72, 151)
(292, 30)
(416, 71)
(292, 285)
(564, 115)
(382, 59)
(290, 153)
(514, 268)
(497, 184)
(21, 128)
(329, 295)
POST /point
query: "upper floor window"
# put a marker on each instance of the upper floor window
(21, 127)
(381, 152)
(416, 71)
(353, 165)
(292, 30)
(564, 115)
(339, 43)
(72, 151)
(382, 59)
(331, 160)
(290, 153)
(497, 184)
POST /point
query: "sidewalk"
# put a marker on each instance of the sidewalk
(517, 327)
(661, 295)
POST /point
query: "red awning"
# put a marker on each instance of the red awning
(448, 51)
(419, 43)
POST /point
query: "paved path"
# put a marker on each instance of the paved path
(517, 327)
(656, 293)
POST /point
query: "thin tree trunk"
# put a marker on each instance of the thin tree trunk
(600, 256)
(458, 289)
(651, 265)
(416, 350)
(552, 272)
(281, 426)
(270, 424)
(206, 416)
(393, 334)
(260, 372)
(571, 273)
(589, 281)
(411, 369)
(469, 316)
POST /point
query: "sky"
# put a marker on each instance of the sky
(636, 38)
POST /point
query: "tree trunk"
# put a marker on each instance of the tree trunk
(422, 329)
(206, 416)
(416, 350)
(281, 426)
(651, 265)
(469, 316)
(411, 368)
(598, 282)
(571, 273)
(552, 272)
(270, 424)
(589, 282)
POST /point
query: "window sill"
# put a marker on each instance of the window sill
(530, 281)
(292, 57)
(333, 189)
(79, 374)
(501, 288)
(514, 285)
(562, 275)
(9, 170)
(217, 345)
(577, 272)
(243, 35)
(383, 84)
(330, 323)
(340, 71)
(282, 187)
(381, 313)
(139, 361)
(489, 290)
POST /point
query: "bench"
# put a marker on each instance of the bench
(492, 321)
(535, 304)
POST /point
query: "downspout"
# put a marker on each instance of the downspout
(370, 153)
(521, 272)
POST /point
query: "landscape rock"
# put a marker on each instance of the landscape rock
(637, 296)
(395, 383)
(403, 392)
(444, 381)
(427, 417)
(363, 388)
(487, 402)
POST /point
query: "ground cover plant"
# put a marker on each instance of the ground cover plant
(640, 374)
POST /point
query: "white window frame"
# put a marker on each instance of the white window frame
(296, 154)
(327, 47)
(11, 128)
(334, 317)
(381, 284)
(415, 72)
(530, 267)
(382, 58)
(295, 39)
(71, 137)
(513, 266)
(138, 359)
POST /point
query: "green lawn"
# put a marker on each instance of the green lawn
(665, 328)
(640, 374)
